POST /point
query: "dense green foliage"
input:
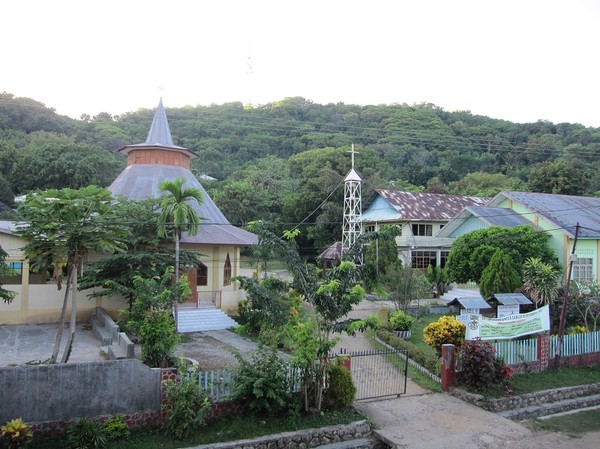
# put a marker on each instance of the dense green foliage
(279, 161)
(341, 390)
(400, 321)
(5, 295)
(471, 253)
(186, 407)
(86, 434)
(261, 382)
(158, 337)
(499, 276)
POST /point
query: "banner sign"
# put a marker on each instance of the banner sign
(511, 326)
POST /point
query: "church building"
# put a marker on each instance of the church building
(218, 242)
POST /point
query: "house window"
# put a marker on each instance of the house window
(583, 269)
(201, 274)
(424, 230)
(227, 271)
(422, 259)
(443, 258)
(370, 228)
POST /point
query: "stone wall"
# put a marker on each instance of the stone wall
(302, 439)
(527, 400)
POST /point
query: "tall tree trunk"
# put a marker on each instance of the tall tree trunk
(176, 302)
(63, 315)
(67, 352)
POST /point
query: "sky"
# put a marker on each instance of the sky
(522, 61)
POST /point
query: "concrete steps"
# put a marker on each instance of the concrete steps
(205, 319)
(552, 408)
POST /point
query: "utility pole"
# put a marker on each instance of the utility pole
(563, 312)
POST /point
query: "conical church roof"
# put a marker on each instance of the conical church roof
(144, 174)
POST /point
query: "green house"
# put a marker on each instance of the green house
(558, 215)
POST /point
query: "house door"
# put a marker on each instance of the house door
(193, 280)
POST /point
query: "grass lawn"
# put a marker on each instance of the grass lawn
(227, 428)
(417, 332)
(574, 425)
(272, 265)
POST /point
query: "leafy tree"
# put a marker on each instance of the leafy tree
(6, 295)
(158, 337)
(177, 215)
(557, 177)
(404, 285)
(381, 254)
(115, 274)
(540, 281)
(484, 184)
(65, 165)
(330, 295)
(438, 277)
(472, 252)
(61, 227)
(499, 276)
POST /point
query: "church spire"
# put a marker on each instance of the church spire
(159, 133)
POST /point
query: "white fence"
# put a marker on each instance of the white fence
(576, 344)
(514, 352)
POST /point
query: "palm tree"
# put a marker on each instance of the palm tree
(177, 215)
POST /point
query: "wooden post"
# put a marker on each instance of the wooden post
(448, 366)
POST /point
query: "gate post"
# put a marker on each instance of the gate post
(448, 366)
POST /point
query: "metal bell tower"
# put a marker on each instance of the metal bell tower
(352, 227)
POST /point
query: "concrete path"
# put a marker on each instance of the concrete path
(421, 419)
(24, 343)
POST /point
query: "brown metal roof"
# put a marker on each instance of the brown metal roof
(428, 206)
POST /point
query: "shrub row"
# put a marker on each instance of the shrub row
(426, 360)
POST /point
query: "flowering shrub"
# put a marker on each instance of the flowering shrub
(446, 330)
(586, 300)
(480, 368)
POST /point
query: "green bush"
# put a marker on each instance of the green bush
(341, 390)
(400, 321)
(86, 434)
(115, 428)
(15, 434)
(186, 406)
(426, 360)
(158, 337)
(262, 382)
(480, 368)
(446, 330)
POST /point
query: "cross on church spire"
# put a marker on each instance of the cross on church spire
(353, 153)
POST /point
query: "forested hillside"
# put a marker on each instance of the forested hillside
(281, 161)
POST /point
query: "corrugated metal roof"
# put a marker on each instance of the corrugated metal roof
(159, 135)
(140, 181)
(470, 303)
(509, 299)
(565, 211)
(427, 206)
(498, 216)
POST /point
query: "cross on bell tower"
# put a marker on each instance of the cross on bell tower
(352, 226)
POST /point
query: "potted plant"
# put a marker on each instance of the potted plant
(401, 323)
